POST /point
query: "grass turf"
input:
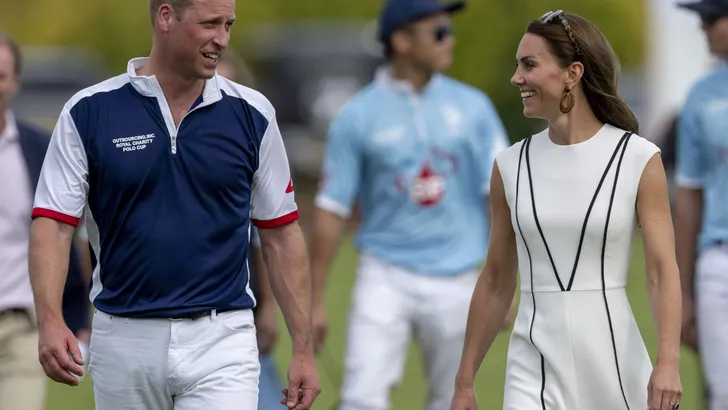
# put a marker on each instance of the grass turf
(410, 395)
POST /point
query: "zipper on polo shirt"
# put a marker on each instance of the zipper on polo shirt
(175, 130)
(169, 119)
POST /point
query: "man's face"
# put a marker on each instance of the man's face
(716, 30)
(9, 81)
(429, 42)
(197, 41)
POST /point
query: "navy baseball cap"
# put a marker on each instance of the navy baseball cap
(707, 7)
(397, 13)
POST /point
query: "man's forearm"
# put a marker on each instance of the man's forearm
(284, 253)
(328, 228)
(688, 215)
(48, 258)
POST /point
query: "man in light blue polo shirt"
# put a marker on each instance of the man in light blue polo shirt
(414, 150)
(701, 209)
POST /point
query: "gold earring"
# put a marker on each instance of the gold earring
(567, 101)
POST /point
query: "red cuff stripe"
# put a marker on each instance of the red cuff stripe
(275, 223)
(47, 213)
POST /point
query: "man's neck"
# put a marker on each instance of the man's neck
(417, 77)
(3, 120)
(174, 86)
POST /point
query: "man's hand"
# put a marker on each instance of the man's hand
(59, 353)
(303, 383)
(320, 323)
(84, 339)
(689, 333)
(266, 323)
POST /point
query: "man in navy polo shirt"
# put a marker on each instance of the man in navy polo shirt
(172, 163)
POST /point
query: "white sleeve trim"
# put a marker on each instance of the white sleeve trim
(330, 205)
(62, 187)
(273, 198)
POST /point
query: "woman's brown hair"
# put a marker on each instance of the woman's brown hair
(572, 38)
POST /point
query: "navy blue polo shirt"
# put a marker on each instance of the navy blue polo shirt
(168, 208)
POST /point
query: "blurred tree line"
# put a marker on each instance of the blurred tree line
(488, 33)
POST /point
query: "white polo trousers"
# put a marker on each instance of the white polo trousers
(175, 364)
(712, 320)
(389, 306)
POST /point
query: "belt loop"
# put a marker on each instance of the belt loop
(214, 315)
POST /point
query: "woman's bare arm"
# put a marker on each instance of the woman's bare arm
(663, 277)
(496, 286)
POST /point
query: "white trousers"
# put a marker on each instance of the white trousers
(712, 321)
(389, 306)
(175, 364)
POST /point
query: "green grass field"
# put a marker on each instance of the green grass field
(411, 394)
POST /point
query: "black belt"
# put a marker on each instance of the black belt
(14, 311)
(199, 314)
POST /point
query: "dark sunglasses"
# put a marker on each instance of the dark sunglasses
(443, 32)
(710, 19)
(559, 14)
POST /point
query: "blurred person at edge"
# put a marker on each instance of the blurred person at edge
(701, 214)
(171, 164)
(22, 148)
(414, 150)
(233, 67)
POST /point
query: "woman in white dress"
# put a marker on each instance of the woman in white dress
(566, 204)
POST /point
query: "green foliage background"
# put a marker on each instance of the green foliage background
(488, 32)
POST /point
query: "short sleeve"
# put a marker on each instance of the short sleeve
(689, 158)
(490, 140)
(273, 203)
(646, 151)
(63, 184)
(342, 166)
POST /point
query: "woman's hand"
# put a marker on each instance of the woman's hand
(464, 399)
(664, 390)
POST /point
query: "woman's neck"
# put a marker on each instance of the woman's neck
(577, 126)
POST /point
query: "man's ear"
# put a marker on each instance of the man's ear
(399, 41)
(165, 16)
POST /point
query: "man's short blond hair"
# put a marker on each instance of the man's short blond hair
(179, 7)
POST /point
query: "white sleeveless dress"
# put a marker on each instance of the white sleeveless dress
(575, 343)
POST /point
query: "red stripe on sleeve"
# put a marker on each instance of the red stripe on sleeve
(275, 223)
(47, 213)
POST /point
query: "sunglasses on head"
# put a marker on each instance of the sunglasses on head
(552, 16)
